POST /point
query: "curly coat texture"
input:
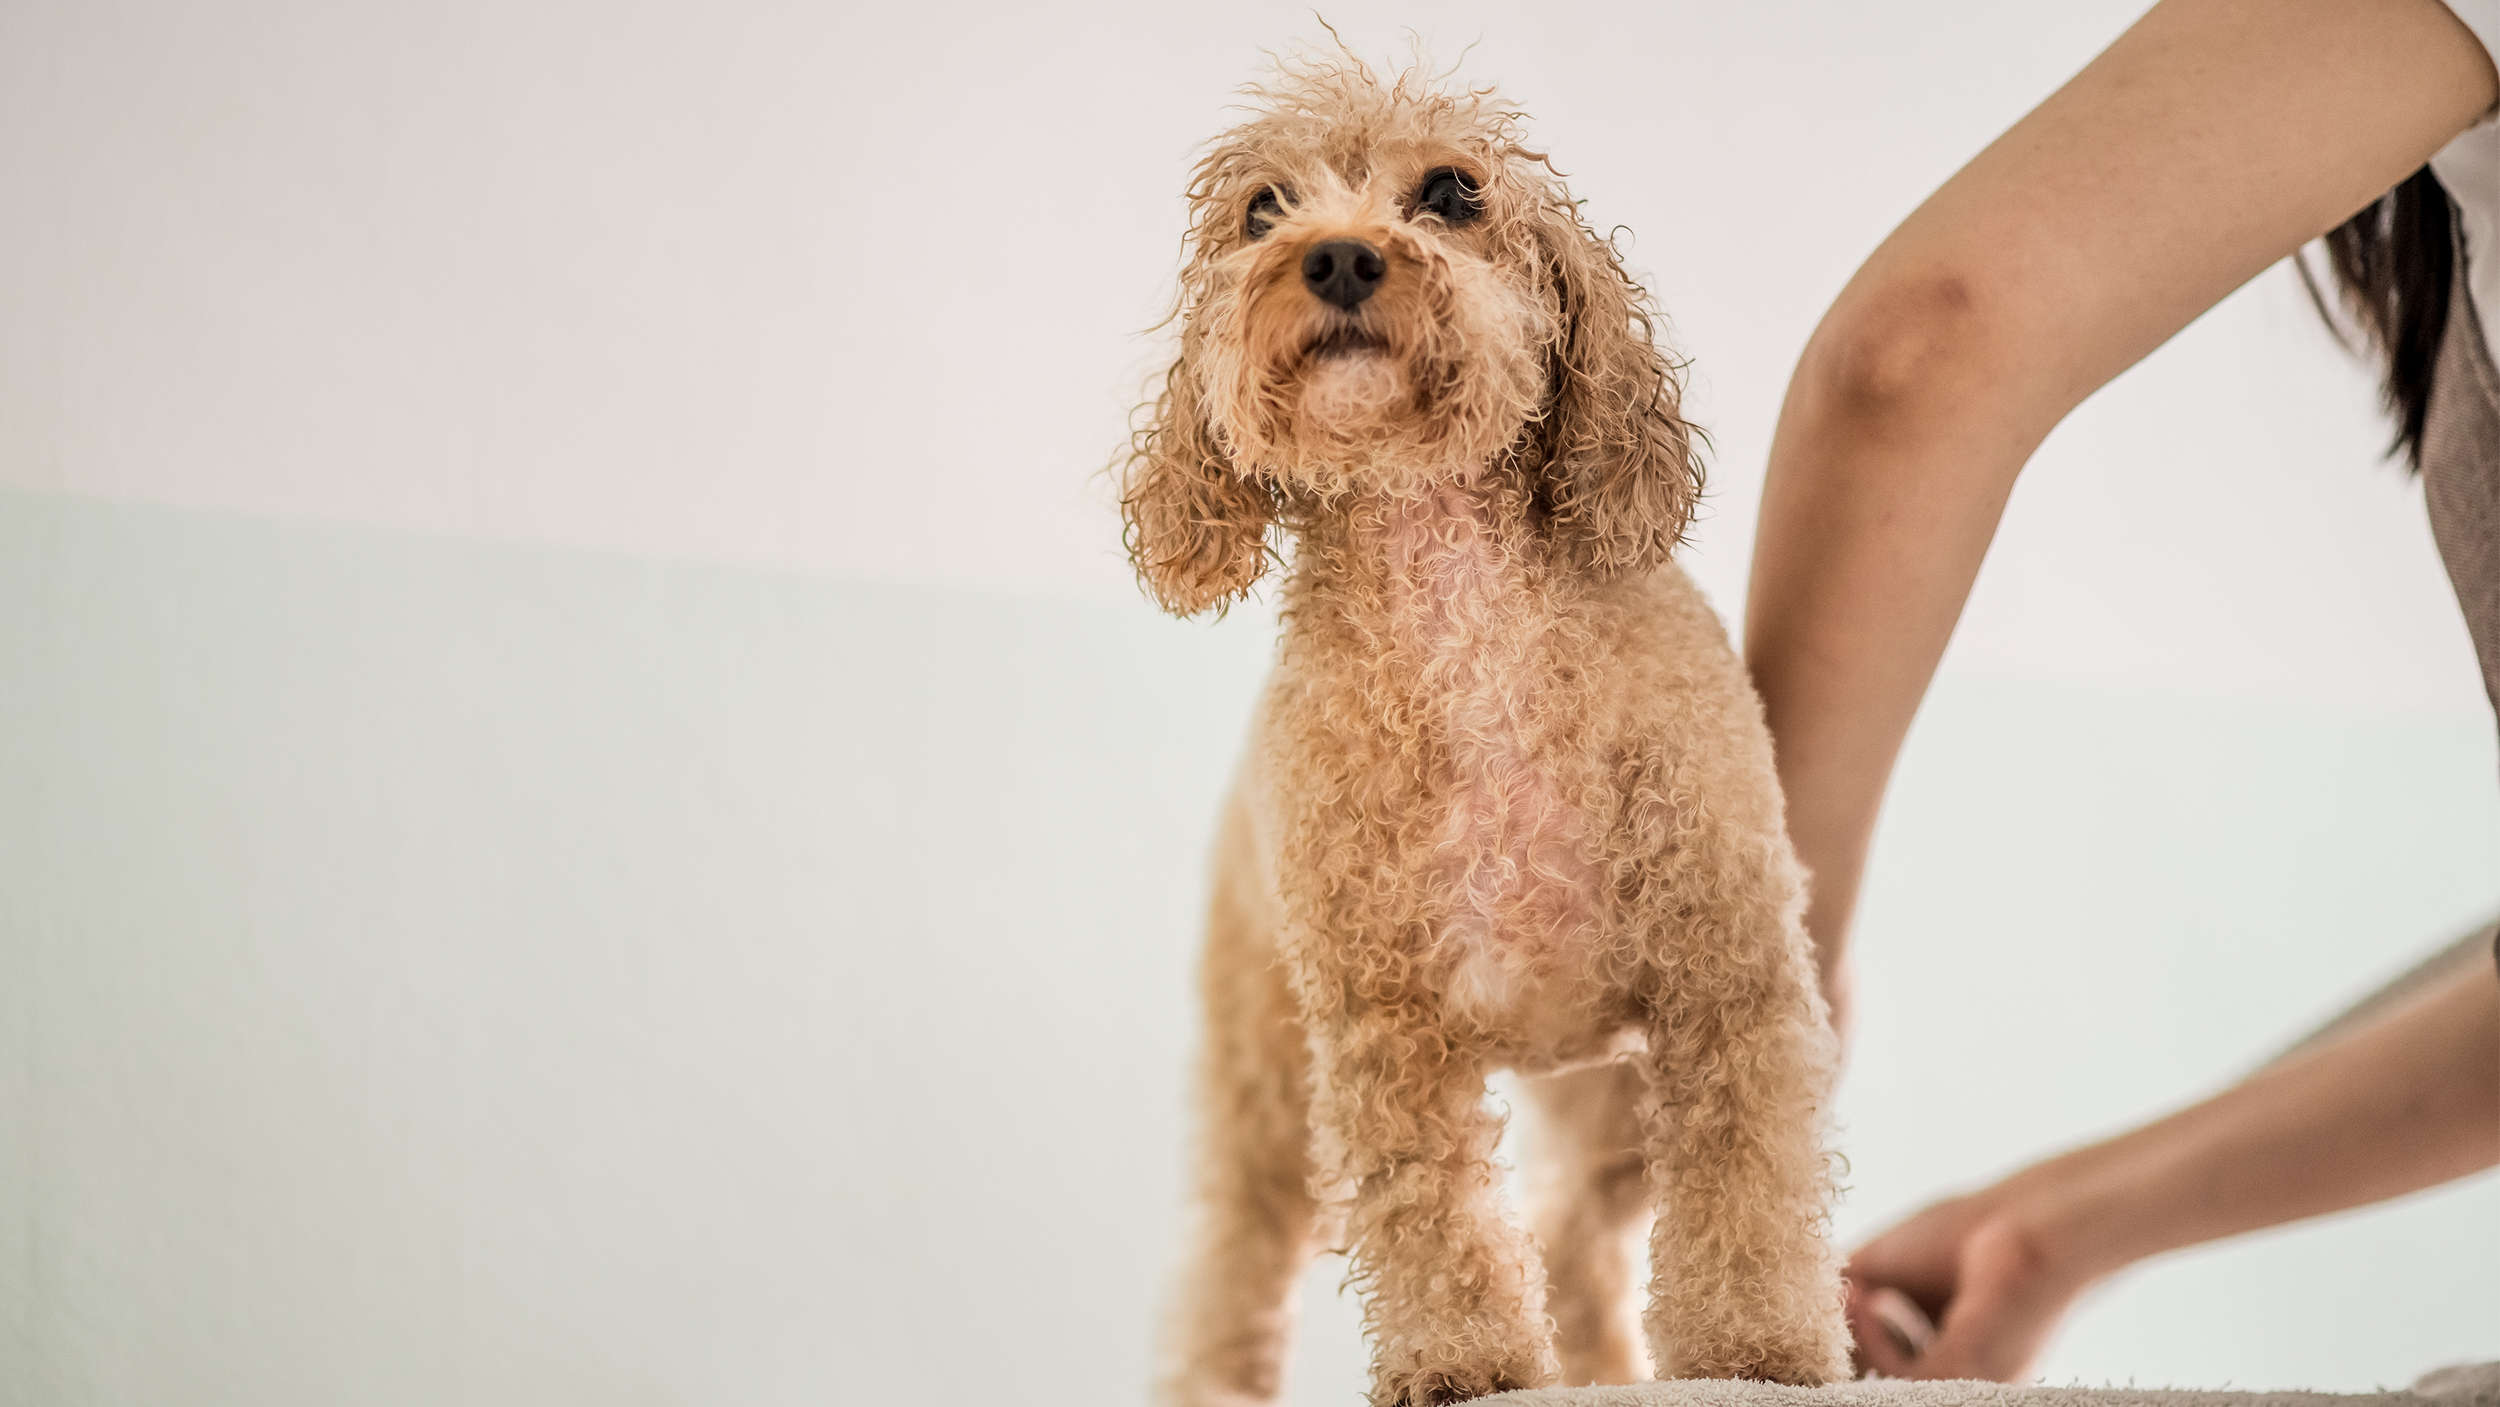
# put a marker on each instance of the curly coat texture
(1509, 800)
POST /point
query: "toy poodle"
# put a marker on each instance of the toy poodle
(1508, 801)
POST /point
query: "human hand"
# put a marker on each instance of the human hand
(1962, 1290)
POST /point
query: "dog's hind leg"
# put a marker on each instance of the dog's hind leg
(1744, 1282)
(1233, 1326)
(1589, 1206)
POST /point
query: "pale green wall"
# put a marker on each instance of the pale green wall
(433, 972)
(440, 973)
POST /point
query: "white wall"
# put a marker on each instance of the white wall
(589, 812)
(771, 284)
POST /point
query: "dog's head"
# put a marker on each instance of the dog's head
(1386, 291)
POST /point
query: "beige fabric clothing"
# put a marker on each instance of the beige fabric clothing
(2461, 474)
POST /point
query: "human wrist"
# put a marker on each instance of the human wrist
(2078, 1217)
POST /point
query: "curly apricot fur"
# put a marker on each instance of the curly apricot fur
(1508, 802)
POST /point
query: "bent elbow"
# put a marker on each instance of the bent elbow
(1898, 354)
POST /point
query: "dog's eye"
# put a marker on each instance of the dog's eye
(1266, 208)
(1449, 194)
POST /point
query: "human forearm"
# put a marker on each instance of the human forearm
(1866, 551)
(1973, 1287)
(2406, 1103)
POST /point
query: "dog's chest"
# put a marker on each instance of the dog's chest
(1487, 715)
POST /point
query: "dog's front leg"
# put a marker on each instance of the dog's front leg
(1454, 1297)
(1744, 1281)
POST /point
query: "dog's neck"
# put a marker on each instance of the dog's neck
(1433, 572)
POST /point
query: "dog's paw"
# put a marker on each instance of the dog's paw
(1799, 1365)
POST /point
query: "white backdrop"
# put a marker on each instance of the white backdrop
(570, 691)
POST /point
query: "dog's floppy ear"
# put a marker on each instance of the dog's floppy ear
(1620, 474)
(1196, 530)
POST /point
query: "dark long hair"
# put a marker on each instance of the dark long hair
(2392, 263)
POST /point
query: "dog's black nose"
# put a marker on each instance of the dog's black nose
(1344, 272)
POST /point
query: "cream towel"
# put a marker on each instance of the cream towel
(2470, 1385)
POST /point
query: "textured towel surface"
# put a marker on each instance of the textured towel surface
(2475, 1385)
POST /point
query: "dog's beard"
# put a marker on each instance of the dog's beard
(1353, 395)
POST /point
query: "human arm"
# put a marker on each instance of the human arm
(2407, 1102)
(2212, 139)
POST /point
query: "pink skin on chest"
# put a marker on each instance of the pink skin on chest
(1518, 891)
